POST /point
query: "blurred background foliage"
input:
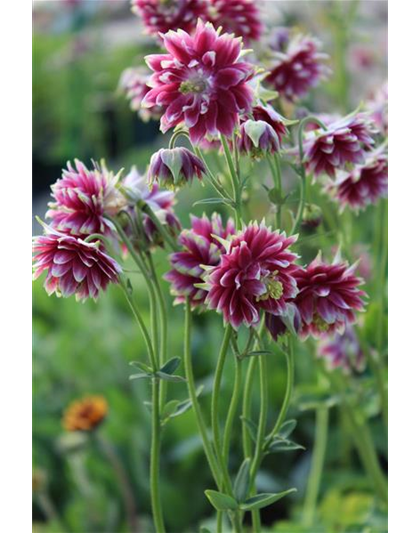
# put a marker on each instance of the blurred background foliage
(79, 52)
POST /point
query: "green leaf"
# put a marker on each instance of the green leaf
(284, 445)
(204, 530)
(275, 197)
(141, 366)
(220, 501)
(170, 366)
(213, 201)
(140, 375)
(252, 427)
(287, 428)
(255, 353)
(170, 408)
(242, 481)
(169, 377)
(263, 500)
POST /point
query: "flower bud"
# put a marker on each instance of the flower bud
(258, 138)
(312, 216)
(174, 167)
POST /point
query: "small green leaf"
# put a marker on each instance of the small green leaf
(169, 377)
(275, 197)
(284, 445)
(263, 500)
(287, 428)
(252, 427)
(140, 375)
(242, 481)
(213, 201)
(220, 501)
(170, 408)
(141, 366)
(170, 366)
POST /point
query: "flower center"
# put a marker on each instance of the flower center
(273, 286)
(194, 85)
(320, 323)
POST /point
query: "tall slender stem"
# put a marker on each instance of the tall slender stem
(317, 465)
(246, 407)
(211, 458)
(236, 185)
(154, 460)
(232, 409)
(290, 364)
(215, 406)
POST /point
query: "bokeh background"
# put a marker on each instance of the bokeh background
(80, 48)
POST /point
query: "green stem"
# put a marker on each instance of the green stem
(236, 185)
(142, 325)
(259, 445)
(290, 365)
(246, 407)
(317, 465)
(215, 407)
(213, 180)
(232, 409)
(163, 319)
(211, 458)
(121, 475)
(154, 460)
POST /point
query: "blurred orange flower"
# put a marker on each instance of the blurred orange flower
(85, 414)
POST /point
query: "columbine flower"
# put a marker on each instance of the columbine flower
(160, 16)
(73, 266)
(82, 199)
(199, 247)
(174, 167)
(161, 201)
(299, 68)
(255, 273)
(262, 134)
(343, 144)
(240, 17)
(85, 414)
(328, 297)
(279, 325)
(342, 351)
(377, 106)
(365, 185)
(200, 82)
(133, 83)
(257, 138)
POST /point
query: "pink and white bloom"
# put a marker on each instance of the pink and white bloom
(240, 17)
(342, 351)
(174, 167)
(200, 246)
(160, 16)
(200, 82)
(364, 185)
(298, 68)
(329, 295)
(83, 198)
(133, 83)
(73, 266)
(341, 145)
(256, 273)
(161, 201)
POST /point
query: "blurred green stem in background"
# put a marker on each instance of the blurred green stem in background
(317, 465)
(122, 478)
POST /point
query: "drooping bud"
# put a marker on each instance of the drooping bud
(174, 167)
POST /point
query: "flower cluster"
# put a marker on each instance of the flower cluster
(201, 245)
(343, 143)
(240, 17)
(134, 83)
(298, 66)
(200, 82)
